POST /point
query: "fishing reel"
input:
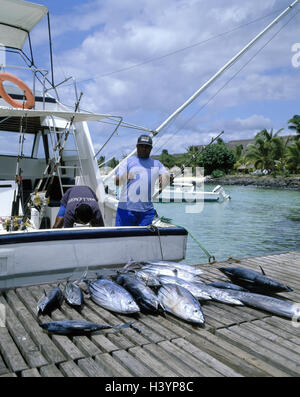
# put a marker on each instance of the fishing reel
(12, 223)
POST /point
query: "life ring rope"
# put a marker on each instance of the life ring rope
(28, 104)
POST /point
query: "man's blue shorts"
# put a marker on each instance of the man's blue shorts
(134, 218)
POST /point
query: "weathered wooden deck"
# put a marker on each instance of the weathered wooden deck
(236, 341)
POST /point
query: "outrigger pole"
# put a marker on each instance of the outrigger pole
(209, 82)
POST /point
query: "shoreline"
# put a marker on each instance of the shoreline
(264, 181)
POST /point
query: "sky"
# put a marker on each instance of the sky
(142, 59)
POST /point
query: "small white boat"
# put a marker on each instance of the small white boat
(183, 192)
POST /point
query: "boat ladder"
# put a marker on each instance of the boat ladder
(59, 139)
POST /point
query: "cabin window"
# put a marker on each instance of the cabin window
(9, 144)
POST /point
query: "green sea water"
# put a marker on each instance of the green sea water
(255, 221)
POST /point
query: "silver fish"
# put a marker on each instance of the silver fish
(73, 293)
(144, 296)
(219, 295)
(194, 289)
(50, 301)
(181, 303)
(157, 270)
(175, 265)
(279, 307)
(149, 279)
(74, 327)
(112, 296)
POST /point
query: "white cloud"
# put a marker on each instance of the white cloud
(116, 36)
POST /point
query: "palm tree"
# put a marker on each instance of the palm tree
(295, 125)
(293, 157)
(266, 150)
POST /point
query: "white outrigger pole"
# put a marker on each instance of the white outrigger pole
(209, 82)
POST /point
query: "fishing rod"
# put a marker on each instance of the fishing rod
(209, 82)
(18, 176)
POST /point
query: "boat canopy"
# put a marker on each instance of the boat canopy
(17, 19)
(78, 117)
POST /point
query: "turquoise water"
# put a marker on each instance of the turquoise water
(254, 222)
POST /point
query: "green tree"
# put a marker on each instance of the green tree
(216, 157)
(101, 161)
(266, 150)
(293, 157)
(167, 159)
(112, 163)
(295, 125)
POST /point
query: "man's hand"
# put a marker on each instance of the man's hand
(120, 180)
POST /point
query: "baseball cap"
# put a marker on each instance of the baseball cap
(144, 140)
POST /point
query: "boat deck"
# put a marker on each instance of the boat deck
(235, 342)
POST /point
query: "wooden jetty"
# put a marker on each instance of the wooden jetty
(235, 342)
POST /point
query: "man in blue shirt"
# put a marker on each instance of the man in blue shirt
(138, 175)
(78, 205)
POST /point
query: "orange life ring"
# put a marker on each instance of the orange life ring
(29, 104)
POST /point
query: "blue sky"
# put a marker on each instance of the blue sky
(141, 59)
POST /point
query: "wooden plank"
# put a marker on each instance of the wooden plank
(30, 373)
(195, 365)
(279, 355)
(157, 365)
(260, 330)
(103, 343)
(40, 338)
(132, 364)
(70, 369)
(50, 371)
(8, 375)
(9, 351)
(256, 350)
(3, 367)
(228, 354)
(170, 361)
(207, 359)
(112, 366)
(29, 350)
(92, 368)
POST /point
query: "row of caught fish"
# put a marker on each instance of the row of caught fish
(176, 290)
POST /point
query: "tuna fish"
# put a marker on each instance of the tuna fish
(175, 265)
(181, 303)
(158, 270)
(149, 279)
(112, 296)
(73, 327)
(194, 288)
(143, 295)
(226, 285)
(72, 292)
(254, 281)
(279, 307)
(50, 301)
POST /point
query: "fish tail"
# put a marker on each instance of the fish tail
(126, 325)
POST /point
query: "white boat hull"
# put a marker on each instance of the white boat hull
(36, 257)
(190, 194)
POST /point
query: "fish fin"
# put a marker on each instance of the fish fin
(262, 270)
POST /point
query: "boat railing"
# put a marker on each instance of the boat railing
(40, 76)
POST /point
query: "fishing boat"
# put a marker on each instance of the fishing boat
(48, 150)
